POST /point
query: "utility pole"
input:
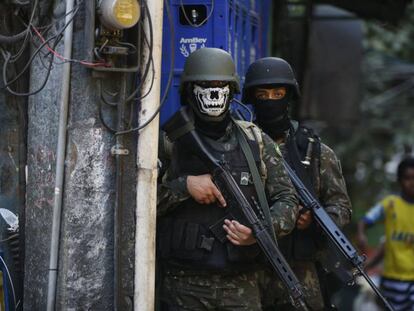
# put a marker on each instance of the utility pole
(144, 288)
(85, 274)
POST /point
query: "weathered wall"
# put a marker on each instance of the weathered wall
(85, 274)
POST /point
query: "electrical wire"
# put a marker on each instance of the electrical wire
(131, 116)
(203, 21)
(151, 62)
(47, 27)
(16, 56)
(170, 77)
(10, 280)
(8, 239)
(23, 46)
(12, 38)
(18, 2)
(131, 48)
(7, 83)
(131, 97)
(58, 36)
(8, 57)
(102, 97)
(150, 48)
(5, 53)
(64, 59)
(113, 94)
(101, 118)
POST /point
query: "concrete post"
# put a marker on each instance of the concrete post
(147, 174)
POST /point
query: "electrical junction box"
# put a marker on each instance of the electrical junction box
(113, 35)
(239, 27)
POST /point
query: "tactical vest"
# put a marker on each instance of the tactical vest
(184, 237)
(305, 160)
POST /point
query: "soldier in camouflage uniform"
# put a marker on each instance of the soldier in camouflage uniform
(200, 272)
(270, 86)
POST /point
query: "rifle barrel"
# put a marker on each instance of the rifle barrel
(375, 289)
(332, 231)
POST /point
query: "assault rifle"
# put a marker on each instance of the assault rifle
(238, 207)
(331, 230)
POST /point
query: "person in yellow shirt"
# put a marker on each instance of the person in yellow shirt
(397, 213)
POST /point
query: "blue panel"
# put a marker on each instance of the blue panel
(264, 10)
(234, 26)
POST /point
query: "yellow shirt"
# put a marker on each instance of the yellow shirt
(399, 244)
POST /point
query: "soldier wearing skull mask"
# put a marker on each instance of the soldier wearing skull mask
(200, 271)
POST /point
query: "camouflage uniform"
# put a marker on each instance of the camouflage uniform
(191, 288)
(331, 190)
(212, 291)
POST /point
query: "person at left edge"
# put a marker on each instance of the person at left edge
(200, 272)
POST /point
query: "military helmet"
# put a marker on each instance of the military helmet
(270, 70)
(210, 64)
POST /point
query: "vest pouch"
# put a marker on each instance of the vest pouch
(188, 240)
(304, 246)
(286, 246)
(242, 254)
(177, 233)
(164, 230)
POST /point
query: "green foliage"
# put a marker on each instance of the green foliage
(370, 149)
(396, 41)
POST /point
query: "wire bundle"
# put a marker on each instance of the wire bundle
(45, 49)
(28, 36)
(133, 98)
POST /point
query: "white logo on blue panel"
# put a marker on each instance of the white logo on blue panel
(189, 45)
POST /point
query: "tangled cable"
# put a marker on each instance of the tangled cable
(49, 44)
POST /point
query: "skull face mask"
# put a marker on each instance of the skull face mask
(212, 101)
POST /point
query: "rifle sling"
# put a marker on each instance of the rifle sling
(258, 185)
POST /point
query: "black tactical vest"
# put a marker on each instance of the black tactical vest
(303, 244)
(184, 237)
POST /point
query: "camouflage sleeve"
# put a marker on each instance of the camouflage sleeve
(170, 191)
(333, 193)
(280, 191)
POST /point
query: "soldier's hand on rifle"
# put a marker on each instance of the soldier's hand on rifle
(203, 190)
(238, 234)
(304, 220)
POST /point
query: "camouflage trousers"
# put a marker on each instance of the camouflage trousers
(274, 294)
(183, 290)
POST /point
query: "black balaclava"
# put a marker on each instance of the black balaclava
(211, 107)
(272, 115)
